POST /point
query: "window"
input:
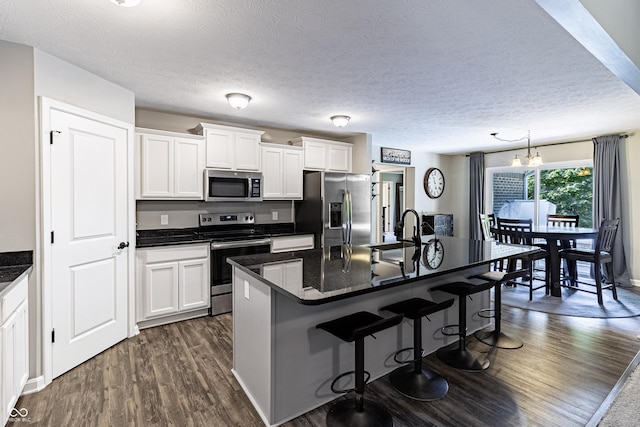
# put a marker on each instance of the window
(562, 188)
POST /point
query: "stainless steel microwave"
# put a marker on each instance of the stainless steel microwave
(230, 186)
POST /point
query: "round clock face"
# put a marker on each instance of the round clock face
(434, 183)
(433, 254)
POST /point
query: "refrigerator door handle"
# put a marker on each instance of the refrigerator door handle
(344, 213)
(350, 217)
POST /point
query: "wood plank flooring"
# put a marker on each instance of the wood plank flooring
(179, 375)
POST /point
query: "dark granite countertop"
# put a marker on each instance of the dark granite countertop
(13, 265)
(182, 236)
(340, 272)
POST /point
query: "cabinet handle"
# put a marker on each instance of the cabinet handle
(123, 245)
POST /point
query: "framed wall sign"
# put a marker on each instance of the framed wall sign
(395, 156)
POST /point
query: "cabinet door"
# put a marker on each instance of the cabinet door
(194, 284)
(156, 168)
(292, 174)
(339, 158)
(274, 273)
(220, 149)
(247, 151)
(188, 168)
(315, 155)
(14, 356)
(160, 286)
(272, 173)
(293, 275)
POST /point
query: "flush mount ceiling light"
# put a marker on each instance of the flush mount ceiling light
(126, 3)
(340, 120)
(533, 161)
(238, 100)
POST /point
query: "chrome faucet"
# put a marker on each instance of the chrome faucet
(416, 229)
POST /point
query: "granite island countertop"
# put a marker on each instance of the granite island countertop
(13, 266)
(340, 272)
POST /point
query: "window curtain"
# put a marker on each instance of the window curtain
(476, 190)
(606, 196)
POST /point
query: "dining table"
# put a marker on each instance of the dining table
(559, 238)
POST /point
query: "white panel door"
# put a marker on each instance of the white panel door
(161, 289)
(247, 152)
(220, 149)
(89, 271)
(188, 168)
(292, 171)
(272, 171)
(157, 166)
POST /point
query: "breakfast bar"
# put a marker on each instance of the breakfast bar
(285, 365)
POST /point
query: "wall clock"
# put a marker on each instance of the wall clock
(434, 183)
(433, 254)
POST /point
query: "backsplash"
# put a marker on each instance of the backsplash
(184, 213)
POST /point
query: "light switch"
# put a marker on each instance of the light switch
(274, 215)
(164, 219)
(246, 289)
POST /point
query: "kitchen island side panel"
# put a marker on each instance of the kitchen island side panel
(252, 339)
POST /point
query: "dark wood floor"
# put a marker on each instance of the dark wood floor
(179, 374)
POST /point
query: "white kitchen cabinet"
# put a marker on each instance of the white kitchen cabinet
(282, 168)
(325, 155)
(14, 345)
(286, 274)
(169, 165)
(231, 148)
(172, 282)
(296, 242)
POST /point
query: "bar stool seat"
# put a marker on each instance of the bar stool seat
(358, 412)
(459, 357)
(413, 380)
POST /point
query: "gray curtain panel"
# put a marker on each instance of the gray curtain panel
(606, 196)
(476, 190)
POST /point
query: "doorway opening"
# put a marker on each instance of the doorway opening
(389, 185)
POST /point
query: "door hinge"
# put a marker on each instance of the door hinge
(52, 239)
(53, 335)
(51, 136)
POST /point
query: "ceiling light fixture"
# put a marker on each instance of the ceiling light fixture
(340, 120)
(126, 3)
(238, 100)
(534, 161)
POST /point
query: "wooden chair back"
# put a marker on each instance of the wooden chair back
(486, 222)
(515, 230)
(563, 220)
(606, 235)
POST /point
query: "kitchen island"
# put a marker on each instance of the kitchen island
(285, 365)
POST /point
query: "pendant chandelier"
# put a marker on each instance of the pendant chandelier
(532, 161)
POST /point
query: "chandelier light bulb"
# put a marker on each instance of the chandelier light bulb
(238, 100)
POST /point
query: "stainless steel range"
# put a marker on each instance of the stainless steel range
(231, 235)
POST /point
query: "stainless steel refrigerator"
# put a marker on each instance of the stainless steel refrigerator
(336, 208)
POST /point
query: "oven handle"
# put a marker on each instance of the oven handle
(225, 245)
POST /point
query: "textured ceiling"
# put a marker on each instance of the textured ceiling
(434, 75)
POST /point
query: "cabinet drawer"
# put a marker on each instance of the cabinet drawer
(291, 243)
(13, 298)
(174, 253)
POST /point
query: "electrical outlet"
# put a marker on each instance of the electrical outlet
(274, 215)
(164, 219)
(246, 289)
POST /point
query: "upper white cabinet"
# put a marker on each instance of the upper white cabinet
(231, 148)
(282, 172)
(325, 155)
(170, 165)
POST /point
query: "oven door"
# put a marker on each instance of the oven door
(221, 271)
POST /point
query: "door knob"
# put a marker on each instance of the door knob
(123, 245)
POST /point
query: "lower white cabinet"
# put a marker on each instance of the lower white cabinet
(14, 345)
(172, 280)
(286, 274)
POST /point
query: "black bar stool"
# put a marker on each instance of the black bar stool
(358, 412)
(413, 380)
(497, 338)
(460, 357)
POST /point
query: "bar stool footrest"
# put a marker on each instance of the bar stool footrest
(425, 385)
(347, 390)
(345, 413)
(446, 333)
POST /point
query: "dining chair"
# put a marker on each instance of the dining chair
(600, 256)
(517, 231)
(486, 222)
(569, 221)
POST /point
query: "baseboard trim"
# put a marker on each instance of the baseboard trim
(34, 385)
